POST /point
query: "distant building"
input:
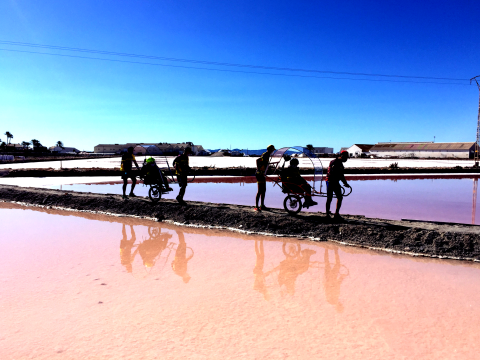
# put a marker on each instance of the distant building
(460, 150)
(322, 150)
(356, 150)
(146, 148)
(63, 150)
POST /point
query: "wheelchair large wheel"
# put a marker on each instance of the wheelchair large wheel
(155, 193)
(292, 204)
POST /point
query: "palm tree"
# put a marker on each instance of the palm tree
(26, 144)
(36, 143)
(60, 144)
(9, 136)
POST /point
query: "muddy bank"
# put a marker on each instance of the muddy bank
(234, 171)
(425, 238)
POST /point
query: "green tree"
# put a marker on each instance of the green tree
(9, 137)
(26, 144)
(60, 144)
(310, 147)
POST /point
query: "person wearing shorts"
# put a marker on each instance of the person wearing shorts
(335, 174)
(127, 172)
(182, 168)
(260, 174)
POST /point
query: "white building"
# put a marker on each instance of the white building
(63, 150)
(460, 150)
(356, 150)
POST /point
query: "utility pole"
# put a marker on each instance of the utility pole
(477, 142)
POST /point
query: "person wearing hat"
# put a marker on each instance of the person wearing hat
(335, 174)
(260, 174)
(182, 168)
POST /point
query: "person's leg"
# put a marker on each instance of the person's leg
(125, 181)
(257, 198)
(338, 193)
(329, 199)
(134, 182)
(182, 182)
(263, 190)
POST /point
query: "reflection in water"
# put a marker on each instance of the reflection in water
(155, 250)
(179, 264)
(296, 262)
(126, 257)
(259, 283)
(333, 279)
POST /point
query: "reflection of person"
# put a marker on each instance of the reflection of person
(126, 256)
(259, 283)
(297, 183)
(333, 280)
(179, 264)
(182, 168)
(260, 174)
(150, 249)
(292, 267)
(335, 174)
(126, 169)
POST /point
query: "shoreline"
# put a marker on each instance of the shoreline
(414, 238)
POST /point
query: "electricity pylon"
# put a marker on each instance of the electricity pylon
(477, 142)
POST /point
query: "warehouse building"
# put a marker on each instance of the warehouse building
(146, 148)
(455, 150)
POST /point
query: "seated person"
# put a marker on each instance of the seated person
(152, 174)
(293, 180)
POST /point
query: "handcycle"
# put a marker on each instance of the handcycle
(296, 193)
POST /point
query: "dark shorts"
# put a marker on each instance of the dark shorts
(334, 187)
(128, 175)
(182, 180)
(261, 179)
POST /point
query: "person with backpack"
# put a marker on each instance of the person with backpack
(182, 168)
(126, 168)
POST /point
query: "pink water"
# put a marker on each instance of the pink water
(445, 199)
(96, 287)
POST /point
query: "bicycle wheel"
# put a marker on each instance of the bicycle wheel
(155, 193)
(292, 204)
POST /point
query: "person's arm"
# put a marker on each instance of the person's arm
(136, 164)
(343, 178)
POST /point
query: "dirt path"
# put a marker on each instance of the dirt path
(412, 237)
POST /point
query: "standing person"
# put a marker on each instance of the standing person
(182, 168)
(126, 169)
(335, 174)
(260, 174)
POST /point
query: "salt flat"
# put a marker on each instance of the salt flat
(226, 162)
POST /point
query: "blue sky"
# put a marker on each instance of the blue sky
(84, 102)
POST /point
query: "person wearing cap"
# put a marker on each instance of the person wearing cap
(182, 168)
(260, 174)
(335, 174)
(126, 169)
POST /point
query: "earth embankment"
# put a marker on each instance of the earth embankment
(446, 240)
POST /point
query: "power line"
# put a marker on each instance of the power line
(103, 52)
(250, 72)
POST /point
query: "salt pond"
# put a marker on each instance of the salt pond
(82, 286)
(436, 198)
